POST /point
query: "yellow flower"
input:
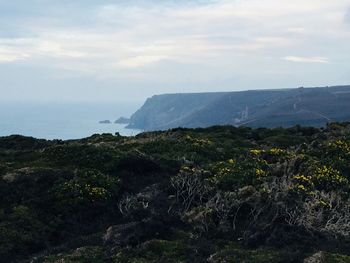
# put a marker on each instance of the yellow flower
(256, 151)
(302, 178)
(301, 187)
(323, 203)
(259, 172)
(276, 151)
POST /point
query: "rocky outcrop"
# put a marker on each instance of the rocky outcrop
(168, 110)
(318, 257)
(105, 122)
(134, 233)
(122, 120)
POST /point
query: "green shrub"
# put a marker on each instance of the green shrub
(87, 190)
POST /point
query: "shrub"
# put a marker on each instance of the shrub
(328, 179)
(87, 191)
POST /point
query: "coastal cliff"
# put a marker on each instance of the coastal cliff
(255, 108)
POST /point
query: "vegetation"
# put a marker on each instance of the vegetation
(220, 194)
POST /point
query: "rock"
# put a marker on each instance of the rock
(30, 173)
(149, 193)
(79, 252)
(122, 120)
(120, 234)
(18, 174)
(134, 233)
(105, 122)
(318, 257)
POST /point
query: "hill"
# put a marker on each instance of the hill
(256, 108)
(220, 194)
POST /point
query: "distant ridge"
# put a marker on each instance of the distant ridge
(255, 108)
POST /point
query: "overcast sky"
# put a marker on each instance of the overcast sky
(111, 50)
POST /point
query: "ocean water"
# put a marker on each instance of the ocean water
(64, 120)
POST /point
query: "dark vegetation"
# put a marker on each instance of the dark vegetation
(221, 194)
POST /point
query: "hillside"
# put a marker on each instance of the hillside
(259, 108)
(220, 194)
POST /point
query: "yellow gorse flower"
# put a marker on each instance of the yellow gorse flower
(303, 178)
(256, 151)
(330, 175)
(260, 172)
(276, 151)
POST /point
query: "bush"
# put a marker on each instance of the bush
(88, 191)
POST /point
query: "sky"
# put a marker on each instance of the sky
(100, 50)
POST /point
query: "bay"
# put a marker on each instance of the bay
(64, 120)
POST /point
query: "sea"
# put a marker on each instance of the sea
(64, 120)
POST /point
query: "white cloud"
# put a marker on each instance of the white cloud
(134, 36)
(213, 41)
(13, 50)
(307, 59)
(298, 30)
(347, 16)
(11, 57)
(140, 61)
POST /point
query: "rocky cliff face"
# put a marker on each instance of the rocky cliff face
(257, 108)
(168, 110)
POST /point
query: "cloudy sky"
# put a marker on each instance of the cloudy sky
(125, 49)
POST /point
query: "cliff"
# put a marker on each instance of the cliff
(255, 108)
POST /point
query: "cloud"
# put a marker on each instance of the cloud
(6, 56)
(14, 50)
(297, 30)
(140, 61)
(133, 36)
(347, 16)
(307, 59)
(188, 31)
(156, 40)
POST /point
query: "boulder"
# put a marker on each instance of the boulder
(122, 120)
(105, 122)
(318, 257)
(134, 233)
